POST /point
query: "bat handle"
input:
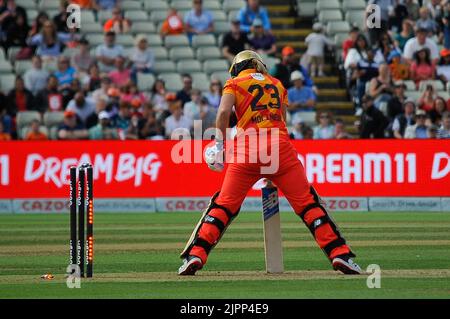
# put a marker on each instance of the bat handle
(269, 183)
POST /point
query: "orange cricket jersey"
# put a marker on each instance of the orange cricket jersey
(259, 100)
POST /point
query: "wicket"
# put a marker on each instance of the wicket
(82, 235)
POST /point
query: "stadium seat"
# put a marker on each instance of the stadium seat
(131, 5)
(92, 28)
(334, 27)
(96, 39)
(327, 5)
(356, 18)
(87, 16)
(221, 27)
(5, 67)
(307, 9)
(308, 117)
(51, 66)
(205, 53)
(339, 38)
(158, 16)
(52, 119)
(172, 80)
(213, 65)
(410, 85)
(189, 66)
(7, 82)
(212, 5)
(176, 41)
(229, 5)
(154, 40)
(232, 15)
(135, 15)
(54, 13)
(104, 15)
(437, 84)
(25, 118)
(24, 131)
(414, 95)
(160, 53)
(203, 40)
(181, 4)
(200, 81)
(218, 15)
(223, 76)
(143, 27)
(326, 16)
(270, 62)
(353, 5)
(46, 5)
(31, 16)
(181, 53)
(22, 66)
(145, 81)
(164, 67)
(27, 4)
(125, 39)
(151, 5)
(2, 55)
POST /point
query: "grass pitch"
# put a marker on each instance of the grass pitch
(137, 256)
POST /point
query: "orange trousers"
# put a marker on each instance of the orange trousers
(291, 180)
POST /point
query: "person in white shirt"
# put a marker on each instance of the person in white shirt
(177, 120)
(141, 57)
(36, 78)
(325, 130)
(108, 52)
(419, 42)
(192, 109)
(316, 42)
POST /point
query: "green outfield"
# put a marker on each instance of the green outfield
(137, 256)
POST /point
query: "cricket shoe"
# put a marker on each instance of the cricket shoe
(190, 266)
(346, 265)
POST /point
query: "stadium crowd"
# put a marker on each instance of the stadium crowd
(96, 93)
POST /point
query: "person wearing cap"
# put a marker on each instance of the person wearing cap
(289, 63)
(372, 121)
(395, 105)
(234, 41)
(405, 119)
(107, 52)
(198, 20)
(350, 41)
(71, 129)
(317, 42)
(419, 129)
(260, 41)
(82, 106)
(422, 69)
(83, 59)
(173, 24)
(141, 57)
(117, 23)
(443, 68)
(250, 12)
(420, 41)
(301, 98)
(103, 130)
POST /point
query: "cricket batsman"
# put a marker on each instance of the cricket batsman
(260, 103)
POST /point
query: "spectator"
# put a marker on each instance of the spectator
(107, 53)
(117, 24)
(49, 42)
(340, 132)
(250, 12)
(308, 133)
(20, 98)
(357, 53)
(317, 42)
(198, 20)
(444, 130)
(399, 68)
(395, 105)
(103, 130)
(92, 80)
(301, 98)
(141, 57)
(4, 135)
(132, 95)
(102, 92)
(122, 74)
(413, 9)
(215, 93)
(70, 129)
(407, 33)
(325, 130)
(350, 41)
(400, 14)
(289, 64)
(70, 91)
(419, 42)
(38, 23)
(403, 120)
(123, 118)
(9, 12)
(446, 25)
(158, 98)
(173, 25)
(234, 41)
(439, 108)
(260, 41)
(36, 78)
(49, 98)
(185, 93)
(206, 118)
(82, 60)
(65, 73)
(443, 68)
(5, 117)
(105, 4)
(298, 127)
(16, 34)
(132, 133)
(426, 22)
(366, 70)
(177, 120)
(83, 107)
(386, 46)
(422, 69)
(426, 100)
(149, 127)
(34, 133)
(191, 109)
(432, 131)
(373, 122)
(419, 129)
(60, 20)
(382, 87)
(85, 4)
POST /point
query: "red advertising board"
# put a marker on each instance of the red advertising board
(143, 169)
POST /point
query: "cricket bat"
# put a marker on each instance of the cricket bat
(272, 230)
